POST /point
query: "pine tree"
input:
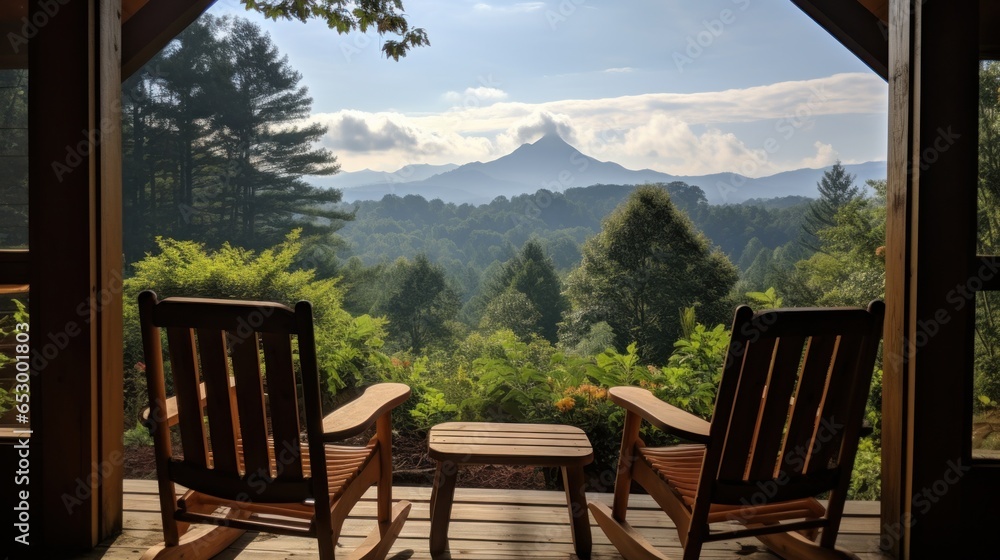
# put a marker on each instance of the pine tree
(421, 304)
(214, 151)
(267, 155)
(836, 189)
(532, 274)
(190, 86)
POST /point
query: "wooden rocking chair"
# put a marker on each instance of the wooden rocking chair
(785, 429)
(252, 469)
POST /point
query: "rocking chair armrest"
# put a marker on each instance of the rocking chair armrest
(663, 415)
(359, 414)
(171, 416)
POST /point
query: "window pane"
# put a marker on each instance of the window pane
(986, 369)
(13, 159)
(15, 366)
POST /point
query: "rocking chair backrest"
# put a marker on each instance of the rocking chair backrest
(252, 448)
(789, 409)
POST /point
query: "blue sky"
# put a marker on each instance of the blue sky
(680, 86)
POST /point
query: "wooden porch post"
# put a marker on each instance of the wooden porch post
(110, 258)
(75, 273)
(931, 229)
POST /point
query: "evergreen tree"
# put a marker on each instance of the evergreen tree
(645, 265)
(169, 164)
(532, 274)
(266, 153)
(136, 181)
(836, 189)
(421, 304)
(213, 150)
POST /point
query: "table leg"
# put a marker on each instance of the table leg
(576, 500)
(442, 495)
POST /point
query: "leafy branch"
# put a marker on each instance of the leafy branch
(384, 16)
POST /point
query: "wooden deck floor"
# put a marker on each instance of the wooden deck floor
(487, 525)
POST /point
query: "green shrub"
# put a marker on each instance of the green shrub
(138, 436)
(866, 480)
(347, 347)
(7, 334)
(613, 369)
(694, 370)
(515, 385)
(427, 405)
(432, 409)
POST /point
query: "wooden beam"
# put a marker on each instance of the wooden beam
(851, 26)
(895, 352)
(109, 264)
(857, 28)
(130, 7)
(989, 24)
(11, 11)
(931, 240)
(879, 8)
(153, 26)
(14, 266)
(74, 151)
(61, 104)
(14, 26)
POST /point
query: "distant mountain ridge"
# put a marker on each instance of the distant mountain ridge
(352, 179)
(553, 164)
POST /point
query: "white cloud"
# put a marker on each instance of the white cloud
(674, 145)
(824, 157)
(519, 8)
(388, 141)
(476, 96)
(679, 133)
(622, 70)
(534, 127)
(804, 100)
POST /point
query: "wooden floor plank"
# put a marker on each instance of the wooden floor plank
(486, 524)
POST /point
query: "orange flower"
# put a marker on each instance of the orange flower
(565, 404)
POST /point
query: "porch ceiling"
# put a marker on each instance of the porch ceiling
(147, 27)
(860, 25)
(880, 8)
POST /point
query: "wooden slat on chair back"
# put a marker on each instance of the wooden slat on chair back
(793, 392)
(253, 451)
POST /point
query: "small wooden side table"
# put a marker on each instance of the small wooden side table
(544, 445)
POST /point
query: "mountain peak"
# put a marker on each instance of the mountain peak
(547, 149)
(550, 139)
(549, 145)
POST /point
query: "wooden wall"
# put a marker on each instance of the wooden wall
(75, 273)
